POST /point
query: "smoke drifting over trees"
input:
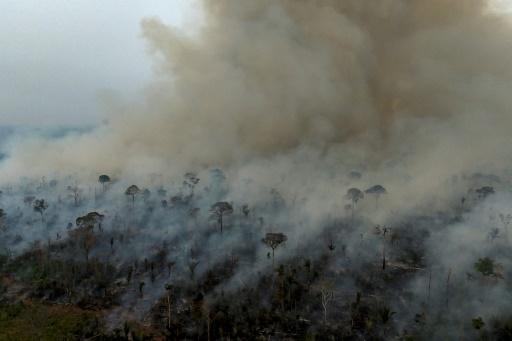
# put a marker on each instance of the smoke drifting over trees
(302, 104)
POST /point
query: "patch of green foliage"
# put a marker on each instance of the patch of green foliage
(485, 266)
(478, 323)
(35, 321)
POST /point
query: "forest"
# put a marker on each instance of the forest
(191, 260)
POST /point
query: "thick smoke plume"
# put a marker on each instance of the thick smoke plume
(422, 83)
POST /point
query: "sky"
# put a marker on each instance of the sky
(57, 57)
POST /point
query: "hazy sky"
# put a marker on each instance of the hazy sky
(57, 56)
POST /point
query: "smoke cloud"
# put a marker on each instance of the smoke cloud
(416, 82)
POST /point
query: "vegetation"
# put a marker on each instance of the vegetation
(102, 268)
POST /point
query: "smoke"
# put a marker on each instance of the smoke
(424, 84)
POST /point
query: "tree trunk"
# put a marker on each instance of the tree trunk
(384, 256)
(208, 325)
(221, 223)
(169, 310)
(429, 281)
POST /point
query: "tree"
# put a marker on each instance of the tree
(376, 191)
(219, 210)
(486, 267)
(90, 220)
(161, 192)
(478, 323)
(326, 290)
(104, 180)
(84, 237)
(168, 288)
(273, 240)
(385, 314)
(2, 219)
(354, 195)
(190, 182)
(210, 317)
(141, 286)
(40, 205)
(192, 267)
(383, 232)
(29, 199)
(88, 242)
(331, 245)
(217, 183)
(246, 210)
(132, 191)
(485, 191)
(146, 194)
(506, 220)
(75, 192)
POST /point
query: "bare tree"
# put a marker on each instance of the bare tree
(219, 210)
(383, 231)
(326, 290)
(273, 240)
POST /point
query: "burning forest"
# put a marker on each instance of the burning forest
(294, 170)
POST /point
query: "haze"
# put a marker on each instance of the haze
(59, 57)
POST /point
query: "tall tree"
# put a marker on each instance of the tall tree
(273, 240)
(376, 191)
(326, 291)
(90, 220)
(76, 193)
(354, 195)
(132, 191)
(2, 219)
(219, 210)
(104, 180)
(40, 206)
